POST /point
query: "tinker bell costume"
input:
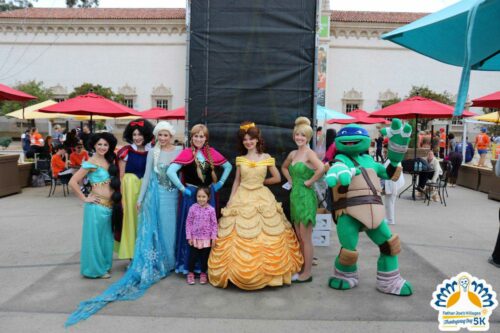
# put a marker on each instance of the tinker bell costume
(196, 166)
(256, 245)
(96, 256)
(354, 177)
(154, 256)
(303, 200)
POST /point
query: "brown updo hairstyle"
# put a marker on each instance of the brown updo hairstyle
(206, 148)
(248, 127)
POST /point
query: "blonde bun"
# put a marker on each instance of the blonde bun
(303, 125)
(302, 121)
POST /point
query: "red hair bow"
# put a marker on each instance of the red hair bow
(137, 123)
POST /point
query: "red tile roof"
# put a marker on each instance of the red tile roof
(97, 13)
(179, 13)
(375, 17)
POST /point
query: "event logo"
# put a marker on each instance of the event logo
(464, 301)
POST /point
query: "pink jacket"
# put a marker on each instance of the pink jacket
(201, 222)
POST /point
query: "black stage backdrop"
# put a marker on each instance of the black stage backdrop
(251, 60)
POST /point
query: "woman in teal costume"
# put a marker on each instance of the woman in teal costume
(302, 168)
(154, 256)
(101, 210)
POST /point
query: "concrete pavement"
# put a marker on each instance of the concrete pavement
(41, 285)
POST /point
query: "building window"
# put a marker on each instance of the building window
(352, 100)
(128, 102)
(351, 107)
(162, 103)
(59, 99)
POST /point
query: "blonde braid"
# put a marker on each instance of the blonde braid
(211, 161)
(156, 156)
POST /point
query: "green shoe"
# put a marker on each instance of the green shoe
(338, 284)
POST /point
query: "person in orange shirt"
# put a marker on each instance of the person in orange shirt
(36, 142)
(59, 166)
(482, 145)
(442, 142)
(78, 156)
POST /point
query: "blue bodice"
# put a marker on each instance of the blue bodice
(136, 163)
(97, 174)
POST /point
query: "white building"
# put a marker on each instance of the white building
(141, 53)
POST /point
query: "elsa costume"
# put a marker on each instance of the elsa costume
(154, 254)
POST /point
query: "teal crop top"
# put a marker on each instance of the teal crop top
(97, 174)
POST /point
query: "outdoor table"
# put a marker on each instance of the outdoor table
(414, 182)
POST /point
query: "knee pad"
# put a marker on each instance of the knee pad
(392, 246)
(348, 257)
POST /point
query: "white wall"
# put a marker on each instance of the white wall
(372, 66)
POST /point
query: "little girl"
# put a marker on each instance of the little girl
(201, 233)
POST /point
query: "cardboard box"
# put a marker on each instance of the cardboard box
(321, 237)
(324, 220)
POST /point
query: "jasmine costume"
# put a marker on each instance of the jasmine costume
(130, 188)
(196, 167)
(154, 256)
(354, 177)
(96, 255)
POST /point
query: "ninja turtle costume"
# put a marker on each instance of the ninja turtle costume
(354, 178)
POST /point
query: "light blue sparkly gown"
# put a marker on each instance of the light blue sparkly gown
(154, 255)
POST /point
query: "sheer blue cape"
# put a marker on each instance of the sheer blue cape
(154, 256)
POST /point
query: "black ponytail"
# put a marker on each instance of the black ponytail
(116, 197)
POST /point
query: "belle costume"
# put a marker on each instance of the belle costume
(256, 245)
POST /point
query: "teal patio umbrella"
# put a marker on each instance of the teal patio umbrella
(466, 34)
(323, 113)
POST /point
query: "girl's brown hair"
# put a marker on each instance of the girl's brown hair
(248, 127)
(204, 189)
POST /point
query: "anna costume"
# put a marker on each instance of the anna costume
(197, 167)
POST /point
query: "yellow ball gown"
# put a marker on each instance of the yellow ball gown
(256, 245)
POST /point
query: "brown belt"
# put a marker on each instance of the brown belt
(356, 201)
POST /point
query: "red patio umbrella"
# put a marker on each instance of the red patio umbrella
(414, 108)
(489, 101)
(360, 117)
(418, 107)
(161, 113)
(10, 94)
(90, 105)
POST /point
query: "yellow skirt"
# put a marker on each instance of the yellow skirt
(131, 187)
(256, 245)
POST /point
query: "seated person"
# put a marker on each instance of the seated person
(432, 174)
(36, 143)
(59, 166)
(78, 156)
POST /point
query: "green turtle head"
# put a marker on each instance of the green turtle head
(352, 140)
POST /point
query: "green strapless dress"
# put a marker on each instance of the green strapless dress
(303, 200)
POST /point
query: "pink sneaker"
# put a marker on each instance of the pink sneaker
(190, 278)
(203, 278)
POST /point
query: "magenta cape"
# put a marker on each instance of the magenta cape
(186, 157)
